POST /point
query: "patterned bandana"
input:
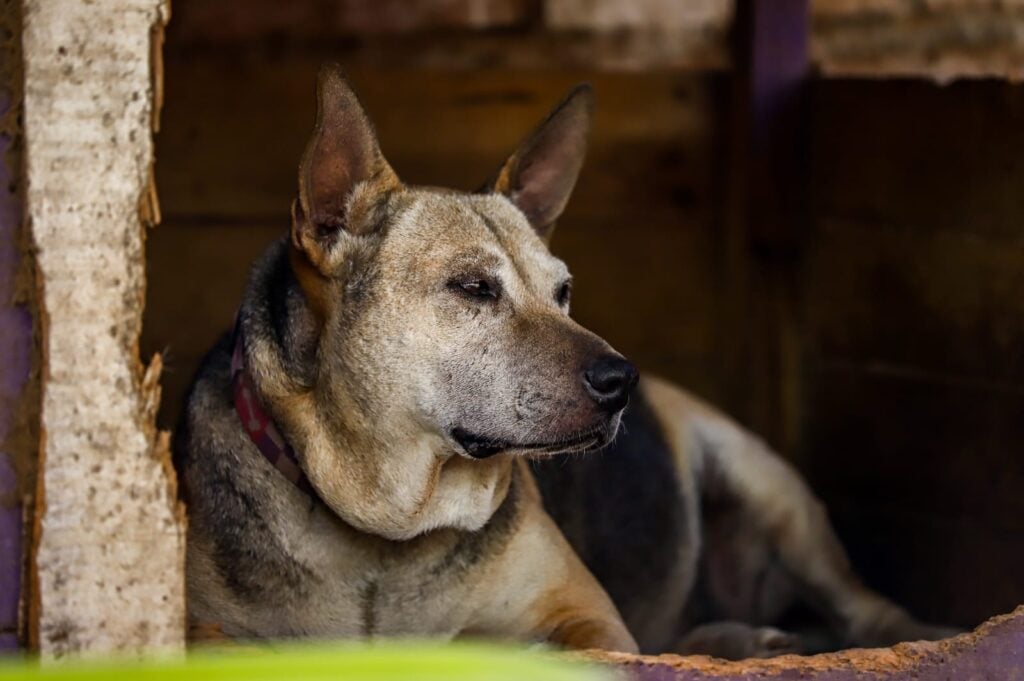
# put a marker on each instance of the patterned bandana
(258, 424)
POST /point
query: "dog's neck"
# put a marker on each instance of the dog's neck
(398, 482)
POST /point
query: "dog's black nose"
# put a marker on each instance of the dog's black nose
(609, 381)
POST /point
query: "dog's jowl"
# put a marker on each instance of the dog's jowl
(405, 433)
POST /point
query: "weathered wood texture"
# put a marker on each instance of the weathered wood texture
(913, 327)
(109, 556)
(939, 39)
(765, 216)
(223, 22)
(639, 232)
(468, 34)
(710, 16)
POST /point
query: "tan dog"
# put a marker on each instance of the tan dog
(379, 448)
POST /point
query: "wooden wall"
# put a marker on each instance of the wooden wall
(913, 334)
(910, 295)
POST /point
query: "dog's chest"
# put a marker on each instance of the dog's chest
(387, 601)
(625, 514)
(365, 587)
(352, 589)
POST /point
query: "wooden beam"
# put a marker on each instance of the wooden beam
(942, 41)
(766, 215)
(109, 546)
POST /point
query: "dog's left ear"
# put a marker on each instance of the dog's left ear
(540, 175)
(342, 172)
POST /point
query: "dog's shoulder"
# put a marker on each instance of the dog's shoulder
(235, 500)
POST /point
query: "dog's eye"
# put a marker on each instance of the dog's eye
(476, 288)
(563, 294)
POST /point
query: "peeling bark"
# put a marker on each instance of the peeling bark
(109, 545)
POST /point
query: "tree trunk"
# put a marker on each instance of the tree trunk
(109, 537)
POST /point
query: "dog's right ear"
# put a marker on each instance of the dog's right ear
(539, 177)
(342, 173)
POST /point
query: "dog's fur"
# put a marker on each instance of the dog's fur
(414, 346)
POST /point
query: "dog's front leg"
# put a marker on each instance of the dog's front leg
(570, 627)
(538, 589)
(573, 610)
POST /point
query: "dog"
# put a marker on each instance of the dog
(406, 434)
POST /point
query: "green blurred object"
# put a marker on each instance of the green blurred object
(351, 662)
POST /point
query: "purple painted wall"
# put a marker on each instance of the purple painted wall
(15, 364)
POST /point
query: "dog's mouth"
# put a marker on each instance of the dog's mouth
(483, 447)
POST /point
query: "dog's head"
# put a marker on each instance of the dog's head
(443, 311)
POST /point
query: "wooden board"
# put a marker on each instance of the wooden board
(109, 558)
(912, 306)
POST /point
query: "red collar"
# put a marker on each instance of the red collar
(259, 425)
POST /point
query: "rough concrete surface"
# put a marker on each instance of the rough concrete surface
(995, 651)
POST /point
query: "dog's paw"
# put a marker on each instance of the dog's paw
(772, 642)
(738, 641)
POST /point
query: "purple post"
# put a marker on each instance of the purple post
(15, 364)
(778, 67)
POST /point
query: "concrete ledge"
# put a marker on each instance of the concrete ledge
(995, 650)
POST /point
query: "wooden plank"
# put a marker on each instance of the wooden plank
(463, 35)
(915, 443)
(186, 314)
(109, 555)
(939, 40)
(199, 21)
(707, 16)
(935, 303)
(915, 155)
(233, 128)
(914, 322)
(955, 571)
(922, 476)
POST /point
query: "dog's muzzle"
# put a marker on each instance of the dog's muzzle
(609, 382)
